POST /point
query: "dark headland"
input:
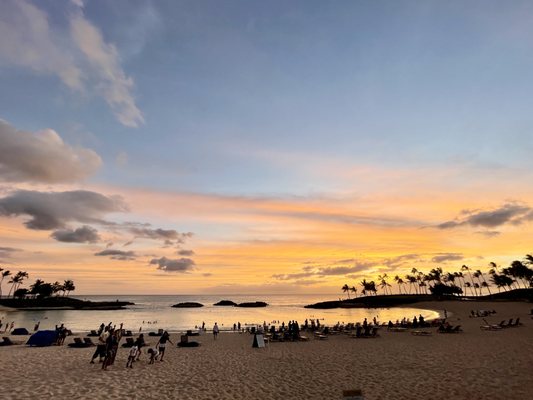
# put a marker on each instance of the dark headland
(50, 303)
(404, 299)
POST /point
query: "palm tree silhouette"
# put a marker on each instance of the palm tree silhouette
(68, 286)
(400, 282)
(16, 281)
(383, 282)
(484, 283)
(346, 289)
(466, 268)
(5, 273)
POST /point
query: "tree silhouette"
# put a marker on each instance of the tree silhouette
(5, 273)
(346, 289)
(68, 286)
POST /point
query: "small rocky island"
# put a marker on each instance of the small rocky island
(226, 303)
(230, 303)
(253, 304)
(188, 304)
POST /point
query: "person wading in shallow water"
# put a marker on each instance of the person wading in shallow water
(215, 331)
(162, 343)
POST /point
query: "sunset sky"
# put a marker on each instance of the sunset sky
(182, 147)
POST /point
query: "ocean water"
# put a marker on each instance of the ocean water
(152, 312)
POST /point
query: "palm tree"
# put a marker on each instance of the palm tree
(383, 282)
(68, 286)
(400, 282)
(15, 280)
(469, 285)
(5, 273)
(484, 283)
(461, 278)
(346, 289)
(36, 287)
(372, 287)
(56, 287)
(466, 268)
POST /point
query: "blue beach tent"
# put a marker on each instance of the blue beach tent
(42, 338)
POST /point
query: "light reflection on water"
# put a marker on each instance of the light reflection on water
(155, 312)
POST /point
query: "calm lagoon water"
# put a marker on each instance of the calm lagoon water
(152, 312)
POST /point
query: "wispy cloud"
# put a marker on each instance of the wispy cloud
(113, 83)
(117, 254)
(444, 257)
(79, 55)
(509, 213)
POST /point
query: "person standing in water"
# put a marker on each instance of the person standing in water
(215, 331)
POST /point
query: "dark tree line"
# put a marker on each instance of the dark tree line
(39, 288)
(518, 275)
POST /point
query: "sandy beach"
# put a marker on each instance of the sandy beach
(475, 364)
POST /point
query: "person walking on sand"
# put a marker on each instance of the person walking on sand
(132, 355)
(215, 331)
(162, 343)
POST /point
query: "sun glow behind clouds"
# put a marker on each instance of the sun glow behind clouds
(286, 149)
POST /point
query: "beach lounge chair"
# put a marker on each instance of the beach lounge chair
(20, 331)
(129, 342)
(158, 333)
(93, 333)
(502, 324)
(489, 327)
(6, 342)
(517, 323)
(88, 341)
(78, 343)
(421, 333)
(320, 336)
(184, 342)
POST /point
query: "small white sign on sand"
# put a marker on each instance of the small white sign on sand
(259, 340)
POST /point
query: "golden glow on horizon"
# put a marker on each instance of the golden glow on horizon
(254, 239)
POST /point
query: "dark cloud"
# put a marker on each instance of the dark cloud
(187, 253)
(357, 267)
(84, 234)
(345, 261)
(42, 157)
(177, 265)
(512, 213)
(444, 257)
(117, 254)
(401, 260)
(52, 210)
(7, 252)
(170, 236)
(324, 271)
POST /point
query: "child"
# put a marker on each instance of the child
(153, 353)
(131, 358)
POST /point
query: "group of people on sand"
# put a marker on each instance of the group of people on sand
(7, 326)
(108, 344)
